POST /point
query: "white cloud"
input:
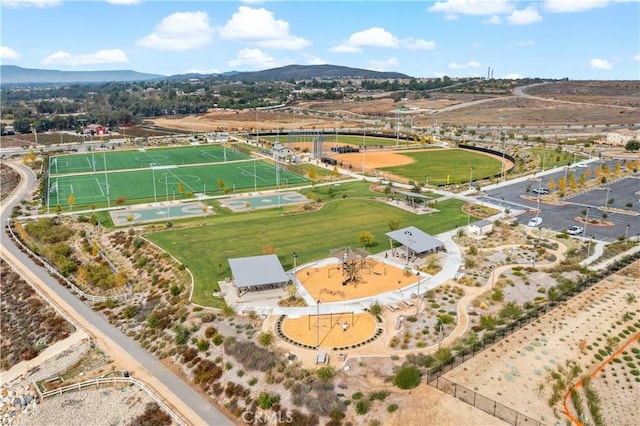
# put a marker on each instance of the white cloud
(600, 64)
(418, 44)
(526, 16)
(180, 31)
(636, 58)
(249, 24)
(374, 36)
(451, 8)
(513, 76)
(8, 53)
(124, 2)
(345, 48)
(379, 37)
(100, 57)
(253, 58)
(563, 6)
(470, 64)
(525, 43)
(494, 20)
(384, 65)
(29, 3)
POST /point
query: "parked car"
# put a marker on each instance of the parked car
(540, 191)
(535, 221)
(575, 230)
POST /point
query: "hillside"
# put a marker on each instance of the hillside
(12, 74)
(308, 72)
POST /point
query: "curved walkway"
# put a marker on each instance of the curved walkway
(125, 352)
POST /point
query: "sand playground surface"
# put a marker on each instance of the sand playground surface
(325, 283)
(334, 329)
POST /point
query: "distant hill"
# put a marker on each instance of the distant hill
(307, 72)
(12, 74)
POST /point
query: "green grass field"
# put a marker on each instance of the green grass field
(142, 158)
(552, 158)
(446, 166)
(138, 185)
(205, 250)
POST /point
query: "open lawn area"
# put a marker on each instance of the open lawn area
(446, 166)
(552, 158)
(206, 249)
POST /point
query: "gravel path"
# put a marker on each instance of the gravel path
(91, 406)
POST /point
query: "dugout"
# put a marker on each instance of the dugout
(257, 273)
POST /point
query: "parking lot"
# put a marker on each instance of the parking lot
(625, 194)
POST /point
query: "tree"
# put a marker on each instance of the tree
(582, 180)
(312, 174)
(334, 172)
(393, 224)
(632, 145)
(180, 188)
(121, 278)
(58, 209)
(71, 199)
(220, 184)
(562, 184)
(551, 184)
(366, 238)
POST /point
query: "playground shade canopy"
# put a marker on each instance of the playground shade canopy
(258, 272)
(416, 240)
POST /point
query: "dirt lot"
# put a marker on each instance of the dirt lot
(591, 103)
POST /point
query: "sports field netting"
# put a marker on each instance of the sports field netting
(142, 158)
(164, 183)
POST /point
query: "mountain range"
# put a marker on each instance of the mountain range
(12, 74)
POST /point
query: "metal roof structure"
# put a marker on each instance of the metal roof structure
(257, 271)
(415, 239)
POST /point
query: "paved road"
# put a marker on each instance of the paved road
(192, 407)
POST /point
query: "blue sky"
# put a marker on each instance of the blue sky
(578, 39)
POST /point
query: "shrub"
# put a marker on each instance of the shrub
(407, 377)
(356, 396)
(265, 339)
(326, 373)
(362, 406)
(392, 407)
(266, 400)
(379, 395)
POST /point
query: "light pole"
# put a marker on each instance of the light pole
(586, 219)
(295, 259)
(626, 233)
(470, 177)
(166, 186)
(491, 276)
(318, 324)
(441, 330)
(606, 201)
(589, 245)
(418, 301)
(153, 175)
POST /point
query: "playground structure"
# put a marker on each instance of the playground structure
(337, 281)
(352, 262)
(330, 330)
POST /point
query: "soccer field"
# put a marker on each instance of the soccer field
(142, 158)
(163, 183)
